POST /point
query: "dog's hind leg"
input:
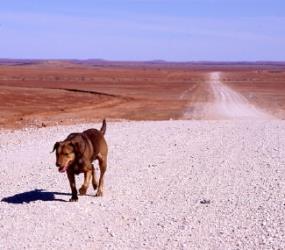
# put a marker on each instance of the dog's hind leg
(87, 178)
(94, 181)
(103, 167)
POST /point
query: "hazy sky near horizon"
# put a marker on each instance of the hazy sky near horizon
(173, 30)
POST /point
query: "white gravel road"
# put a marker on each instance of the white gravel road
(230, 104)
(227, 104)
(169, 185)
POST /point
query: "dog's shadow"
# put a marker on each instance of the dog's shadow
(34, 195)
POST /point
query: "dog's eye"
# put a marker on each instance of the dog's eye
(66, 154)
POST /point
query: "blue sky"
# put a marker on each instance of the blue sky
(173, 30)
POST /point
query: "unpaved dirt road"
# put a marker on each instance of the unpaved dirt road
(230, 104)
(169, 185)
(220, 102)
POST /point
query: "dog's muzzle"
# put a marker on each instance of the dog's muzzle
(61, 168)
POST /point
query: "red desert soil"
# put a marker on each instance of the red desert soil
(40, 93)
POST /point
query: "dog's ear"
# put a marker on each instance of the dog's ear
(55, 146)
(76, 147)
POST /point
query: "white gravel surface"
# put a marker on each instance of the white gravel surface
(169, 185)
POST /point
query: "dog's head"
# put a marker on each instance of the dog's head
(65, 155)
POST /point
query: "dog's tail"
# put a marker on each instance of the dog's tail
(103, 128)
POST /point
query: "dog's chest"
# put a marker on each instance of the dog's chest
(78, 169)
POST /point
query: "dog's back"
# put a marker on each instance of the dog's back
(98, 141)
(90, 143)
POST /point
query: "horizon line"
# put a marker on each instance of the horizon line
(141, 61)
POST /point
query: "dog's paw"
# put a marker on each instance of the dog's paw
(99, 193)
(82, 190)
(73, 199)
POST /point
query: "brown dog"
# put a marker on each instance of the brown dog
(75, 155)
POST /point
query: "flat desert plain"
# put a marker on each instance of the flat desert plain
(67, 92)
(196, 155)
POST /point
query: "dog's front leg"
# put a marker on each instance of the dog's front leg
(71, 179)
(87, 178)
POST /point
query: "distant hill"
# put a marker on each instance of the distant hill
(152, 63)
